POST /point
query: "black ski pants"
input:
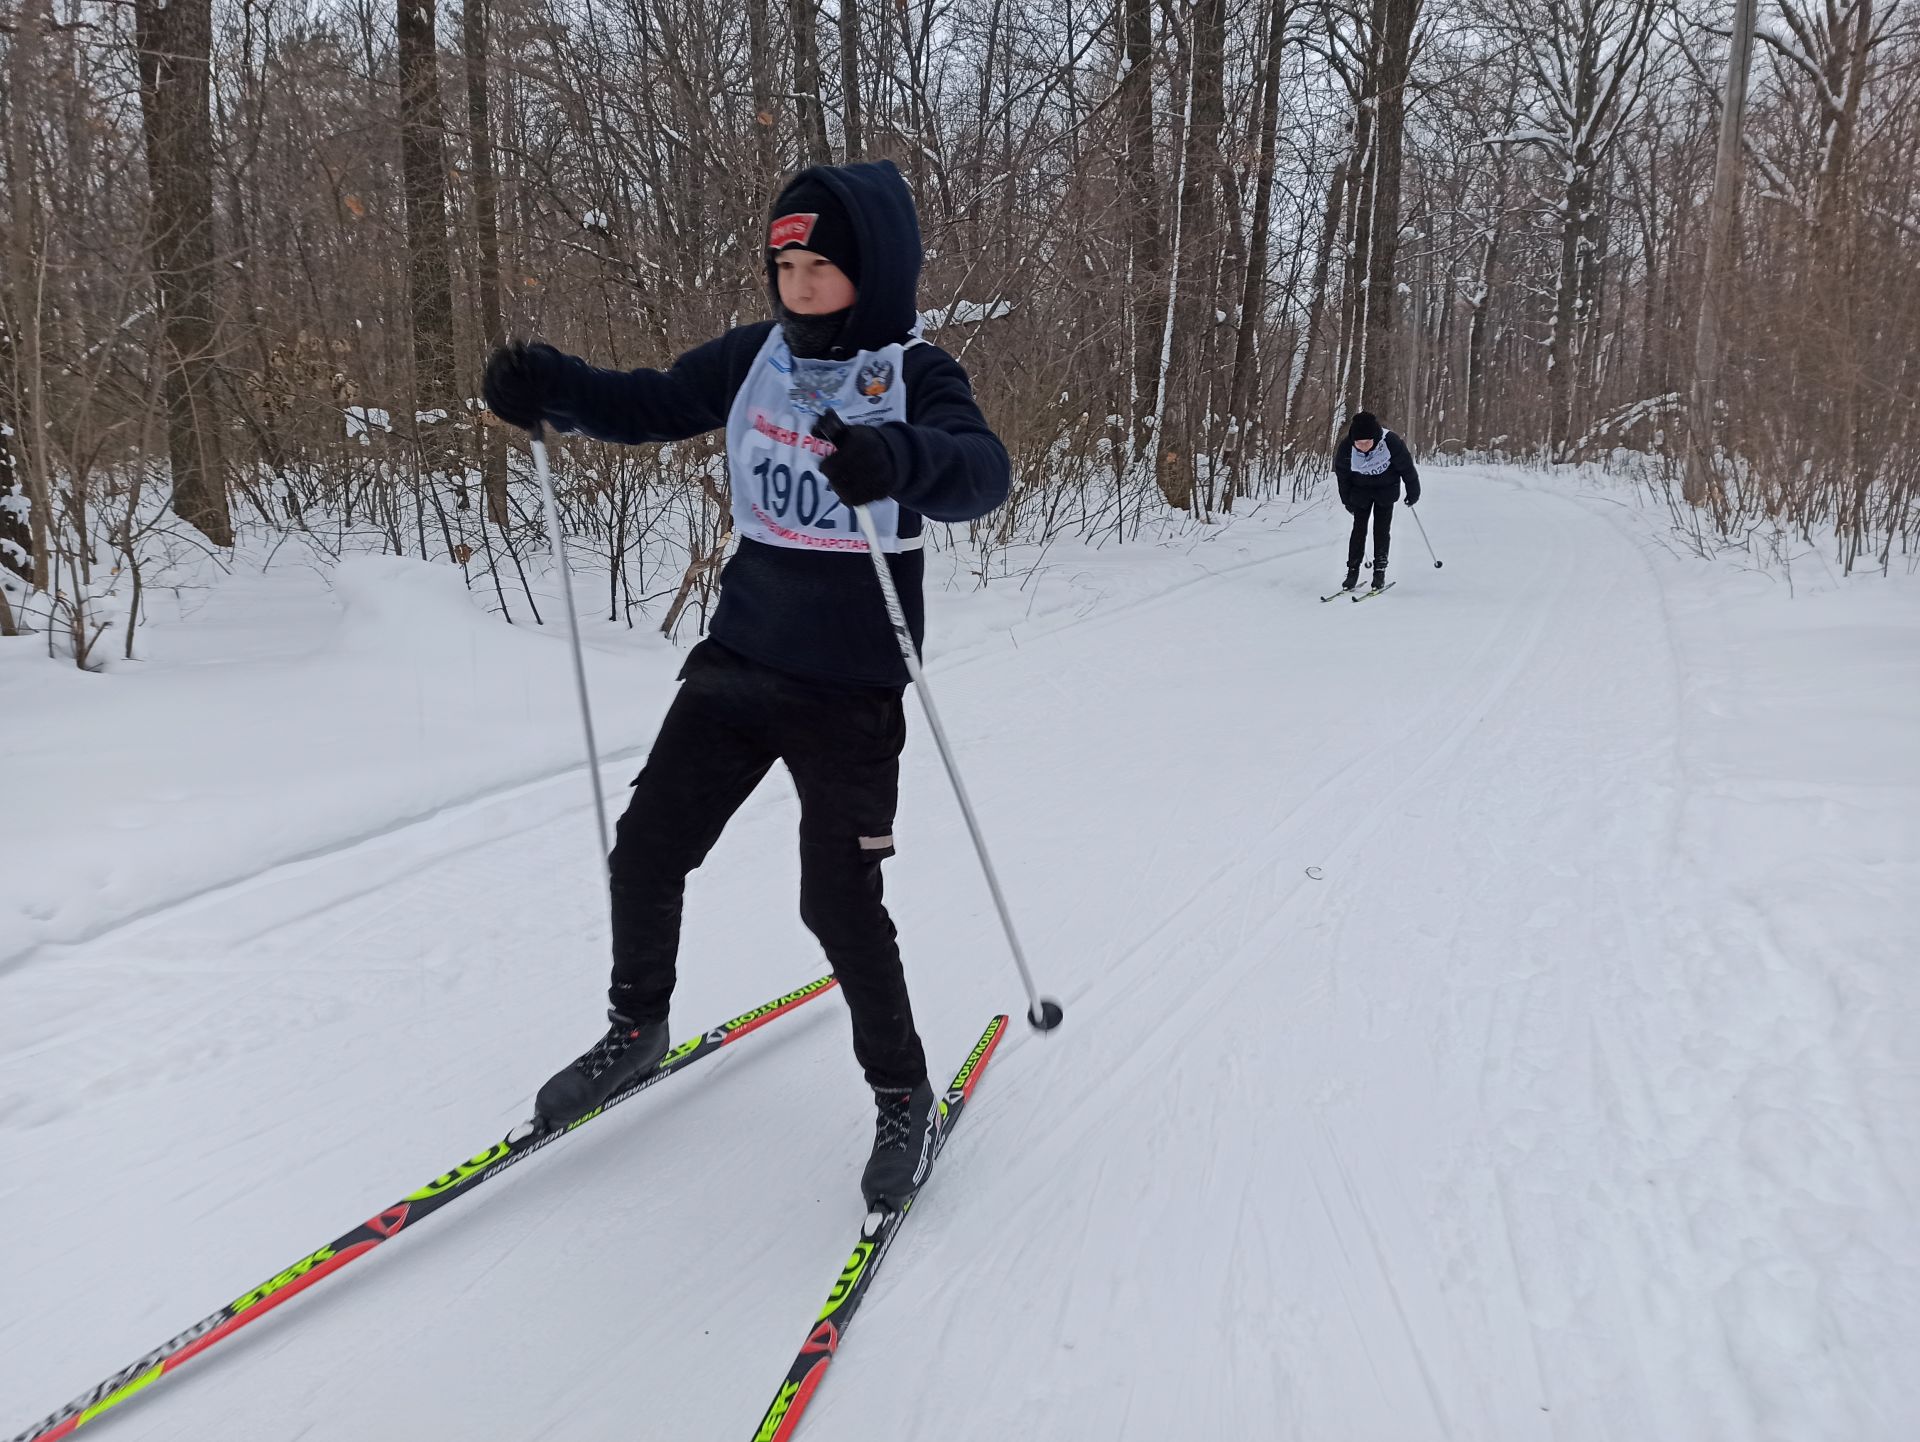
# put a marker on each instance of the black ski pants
(1381, 509)
(731, 720)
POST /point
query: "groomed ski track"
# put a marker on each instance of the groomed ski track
(1387, 938)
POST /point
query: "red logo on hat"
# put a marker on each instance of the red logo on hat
(792, 230)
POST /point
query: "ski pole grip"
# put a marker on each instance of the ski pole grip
(831, 428)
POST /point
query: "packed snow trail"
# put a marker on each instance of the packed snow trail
(1430, 1068)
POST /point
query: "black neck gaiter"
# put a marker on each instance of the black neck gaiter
(813, 337)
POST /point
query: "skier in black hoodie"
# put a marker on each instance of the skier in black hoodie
(801, 665)
(1370, 464)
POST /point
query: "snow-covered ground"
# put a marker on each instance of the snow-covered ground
(1491, 1012)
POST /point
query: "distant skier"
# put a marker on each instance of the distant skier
(1370, 464)
(801, 665)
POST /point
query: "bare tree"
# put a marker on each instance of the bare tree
(1341, 183)
(761, 82)
(850, 78)
(475, 24)
(174, 40)
(806, 82)
(1588, 59)
(1702, 475)
(1831, 46)
(423, 163)
(1253, 290)
(1135, 100)
(1185, 367)
(23, 547)
(1379, 360)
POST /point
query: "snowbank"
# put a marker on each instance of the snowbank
(279, 715)
(282, 718)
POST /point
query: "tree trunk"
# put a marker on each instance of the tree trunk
(760, 66)
(1477, 330)
(1143, 203)
(1379, 359)
(23, 546)
(423, 169)
(1165, 475)
(850, 78)
(174, 40)
(1182, 425)
(1560, 338)
(1317, 291)
(1353, 316)
(1849, 57)
(1253, 291)
(1350, 360)
(1593, 69)
(475, 22)
(1703, 479)
(806, 81)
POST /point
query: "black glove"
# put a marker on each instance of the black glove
(1413, 498)
(516, 383)
(861, 469)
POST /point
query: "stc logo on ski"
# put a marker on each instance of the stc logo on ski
(447, 1181)
(849, 1279)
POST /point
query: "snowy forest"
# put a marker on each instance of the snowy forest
(256, 253)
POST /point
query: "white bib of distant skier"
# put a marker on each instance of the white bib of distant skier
(779, 496)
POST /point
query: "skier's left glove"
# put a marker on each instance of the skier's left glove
(861, 469)
(1413, 499)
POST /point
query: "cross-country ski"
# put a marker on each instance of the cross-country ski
(877, 1232)
(457, 1182)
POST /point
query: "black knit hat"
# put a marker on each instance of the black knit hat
(810, 217)
(1365, 427)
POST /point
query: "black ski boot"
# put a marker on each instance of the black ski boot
(1380, 576)
(1353, 577)
(628, 1051)
(904, 1133)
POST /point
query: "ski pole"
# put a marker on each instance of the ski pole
(559, 544)
(1043, 1012)
(1423, 536)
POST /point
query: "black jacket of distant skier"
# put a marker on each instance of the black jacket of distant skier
(1365, 490)
(813, 614)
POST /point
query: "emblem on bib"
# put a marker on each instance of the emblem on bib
(875, 379)
(815, 385)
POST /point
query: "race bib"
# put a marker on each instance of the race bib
(780, 498)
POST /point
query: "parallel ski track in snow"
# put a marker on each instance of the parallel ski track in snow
(361, 878)
(548, 791)
(1364, 1155)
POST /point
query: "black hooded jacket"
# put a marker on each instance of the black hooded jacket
(1386, 486)
(813, 614)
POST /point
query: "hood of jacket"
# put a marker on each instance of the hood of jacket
(886, 227)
